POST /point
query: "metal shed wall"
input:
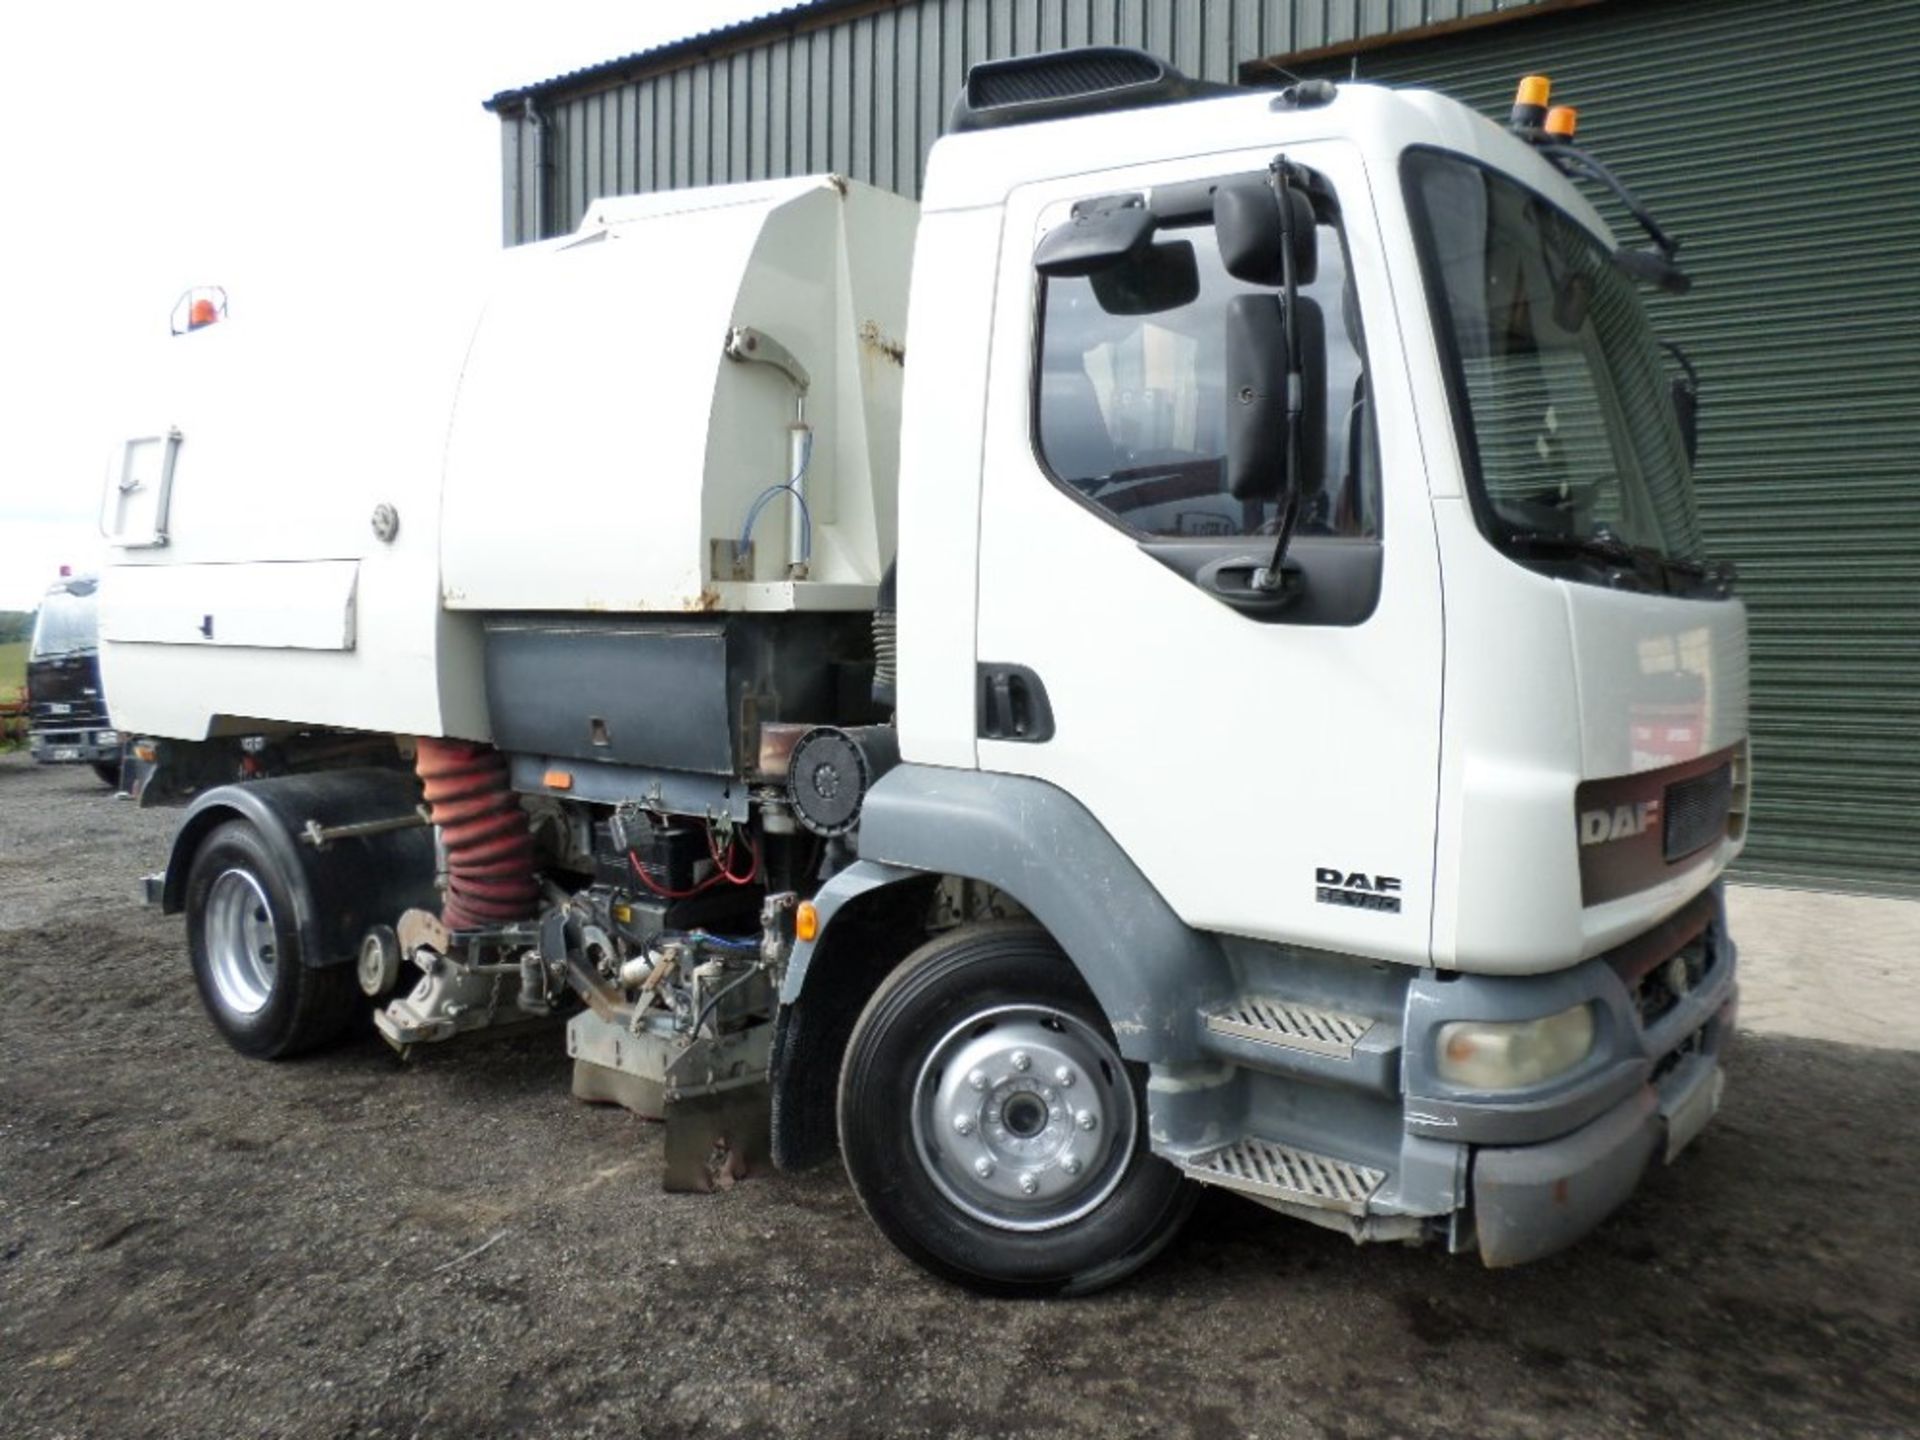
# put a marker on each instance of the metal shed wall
(863, 90)
(1773, 136)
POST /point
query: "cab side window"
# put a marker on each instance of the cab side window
(1130, 408)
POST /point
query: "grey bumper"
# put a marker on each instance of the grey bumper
(1531, 1200)
(75, 746)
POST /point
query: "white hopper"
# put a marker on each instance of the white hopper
(602, 455)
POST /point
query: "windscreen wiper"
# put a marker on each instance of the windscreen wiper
(1643, 560)
(1716, 575)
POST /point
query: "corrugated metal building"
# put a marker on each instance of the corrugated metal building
(1770, 134)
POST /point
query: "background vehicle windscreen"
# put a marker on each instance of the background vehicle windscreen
(66, 625)
(1564, 413)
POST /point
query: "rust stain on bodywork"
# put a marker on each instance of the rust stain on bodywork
(872, 339)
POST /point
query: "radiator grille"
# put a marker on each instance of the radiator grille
(1696, 812)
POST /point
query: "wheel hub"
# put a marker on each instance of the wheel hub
(242, 952)
(1024, 1117)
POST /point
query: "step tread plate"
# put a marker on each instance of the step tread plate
(1291, 1026)
(1286, 1172)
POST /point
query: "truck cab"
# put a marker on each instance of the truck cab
(1226, 687)
(68, 721)
(1400, 880)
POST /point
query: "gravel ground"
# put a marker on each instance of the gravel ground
(196, 1245)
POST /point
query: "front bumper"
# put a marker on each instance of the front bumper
(75, 745)
(1550, 1163)
(1532, 1200)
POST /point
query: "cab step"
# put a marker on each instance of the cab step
(1291, 1026)
(1284, 1172)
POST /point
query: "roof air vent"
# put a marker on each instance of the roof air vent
(1070, 82)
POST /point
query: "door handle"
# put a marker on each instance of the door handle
(1013, 705)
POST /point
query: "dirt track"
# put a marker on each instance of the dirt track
(195, 1245)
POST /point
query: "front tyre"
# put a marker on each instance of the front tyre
(246, 952)
(991, 1128)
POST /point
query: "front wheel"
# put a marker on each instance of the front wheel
(246, 951)
(991, 1128)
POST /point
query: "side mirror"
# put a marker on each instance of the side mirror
(1093, 240)
(1248, 224)
(1257, 396)
(1572, 299)
(1159, 278)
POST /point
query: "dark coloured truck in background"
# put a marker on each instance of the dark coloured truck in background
(67, 708)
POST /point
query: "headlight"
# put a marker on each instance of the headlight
(1505, 1055)
(107, 737)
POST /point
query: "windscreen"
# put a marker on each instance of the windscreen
(65, 625)
(1563, 408)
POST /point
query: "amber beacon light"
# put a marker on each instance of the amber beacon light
(1530, 103)
(198, 308)
(1562, 120)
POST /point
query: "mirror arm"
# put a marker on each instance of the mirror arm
(1573, 163)
(1272, 577)
(1686, 384)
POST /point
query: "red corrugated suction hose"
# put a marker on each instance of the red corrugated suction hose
(490, 879)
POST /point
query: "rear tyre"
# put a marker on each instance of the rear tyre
(246, 952)
(991, 1128)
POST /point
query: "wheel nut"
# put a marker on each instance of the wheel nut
(983, 1167)
(963, 1124)
(1086, 1119)
(977, 1079)
(1028, 1184)
(1071, 1164)
(1064, 1075)
(1021, 1060)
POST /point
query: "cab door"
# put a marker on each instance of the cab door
(1272, 774)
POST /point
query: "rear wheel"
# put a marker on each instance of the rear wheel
(991, 1128)
(246, 952)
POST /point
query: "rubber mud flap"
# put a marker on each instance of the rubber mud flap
(1532, 1200)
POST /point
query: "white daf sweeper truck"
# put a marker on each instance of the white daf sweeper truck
(1215, 682)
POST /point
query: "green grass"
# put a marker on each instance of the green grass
(13, 674)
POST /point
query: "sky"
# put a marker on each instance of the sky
(268, 148)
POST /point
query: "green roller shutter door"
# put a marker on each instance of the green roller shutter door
(1776, 139)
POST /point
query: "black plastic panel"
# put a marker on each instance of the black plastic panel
(1088, 81)
(1334, 580)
